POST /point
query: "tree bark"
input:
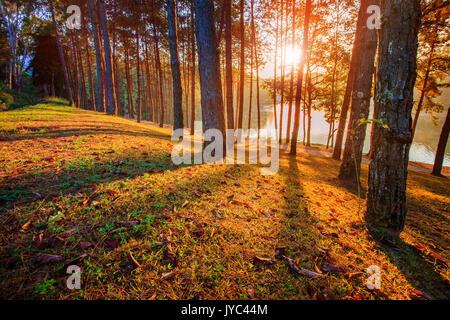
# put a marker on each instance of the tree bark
(242, 67)
(160, 76)
(440, 152)
(275, 78)
(291, 82)
(362, 92)
(109, 72)
(76, 82)
(427, 76)
(138, 75)
(298, 95)
(93, 17)
(396, 76)
(213, 115)
(149, 86)
(350, 81)
(175, 66)
(129, 84)
(192, 69)
(229, 65)
(61, 55)
(90, 78)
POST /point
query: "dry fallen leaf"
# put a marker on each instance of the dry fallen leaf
(301, 271)
(257, 259)
(168, 275)
(85, 245)
(47, 258)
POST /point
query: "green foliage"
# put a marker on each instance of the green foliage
(46, 288)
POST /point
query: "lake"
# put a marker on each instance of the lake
(423, 148)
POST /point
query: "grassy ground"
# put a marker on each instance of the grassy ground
(81, 188)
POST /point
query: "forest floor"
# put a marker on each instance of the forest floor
(82, 188)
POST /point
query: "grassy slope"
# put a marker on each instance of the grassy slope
(71, 178)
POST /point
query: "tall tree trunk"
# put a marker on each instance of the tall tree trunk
(309, 106)
(275, 77)
(129, 84)
(440, 152)
(192, 68)
(82, 76)
(350, 81)
(291, 82)
(229, 64)
(61, 55)
(90, 77)
(175, 66)
(76, 82)
(93, 18)
(362, 92)
(241, 67)
(298, 95)
(252, 41)
(283, 68)
(149, 86)
(160, 76)
(109, 71)
(138, 74)
(213, 115)
(427, 75)
(396, 76)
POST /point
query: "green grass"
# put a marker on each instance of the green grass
(95, 189)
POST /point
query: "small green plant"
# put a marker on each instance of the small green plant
(46, 288)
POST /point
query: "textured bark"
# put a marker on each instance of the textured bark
(350, 80)
(252, 57)
(193, 69)
(138, 75)
(93, 18)
(361, 94)
(90, 77)
(396, 75)
(427, 75)
(229, 65)
(151, 116)
(61, 56)
(298, 95)
(160, 76)
(283, 70)
(242, 67)
(440, 153)
(175, 66)
(109, 72)
(275, 78)
(291, 82)
(129, 84)
(82, 75)
(213, 115)
(76, 82)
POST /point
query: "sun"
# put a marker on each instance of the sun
(292, 55)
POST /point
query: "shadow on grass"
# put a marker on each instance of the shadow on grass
(80, 176)
(298, 238)
(420, 273)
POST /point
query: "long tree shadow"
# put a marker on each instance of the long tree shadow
(47, 132)
(420, 273)
(80, 176)
(299, 237)
(147, 202)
